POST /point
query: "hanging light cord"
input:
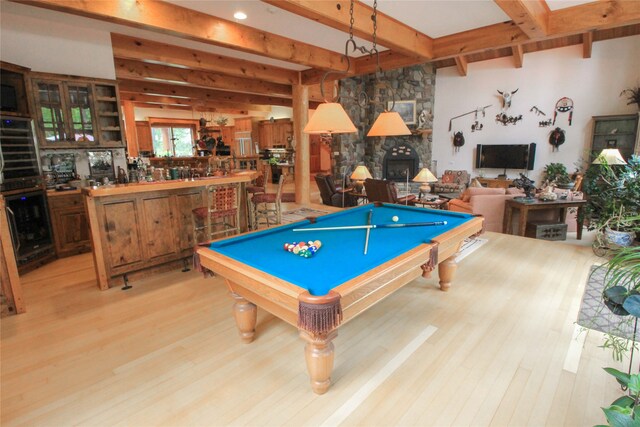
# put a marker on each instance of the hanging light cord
(362, 98)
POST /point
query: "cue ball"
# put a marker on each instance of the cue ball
(395, 218)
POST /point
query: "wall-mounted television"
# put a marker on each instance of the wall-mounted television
(506, 156)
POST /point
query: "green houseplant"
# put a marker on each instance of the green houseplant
(556, 173)
(622, 296)
(613, 196)
(633, 95)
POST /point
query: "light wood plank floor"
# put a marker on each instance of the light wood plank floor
(167, 351)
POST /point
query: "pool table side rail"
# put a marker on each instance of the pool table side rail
(361, 293)
(277, 296)
(450, 241)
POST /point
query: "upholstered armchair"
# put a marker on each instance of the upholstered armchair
(452, 181)
(332, 195)
(381, 190)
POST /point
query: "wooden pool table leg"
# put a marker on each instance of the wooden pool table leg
(246, 315)
(446, 271)
(318, 353)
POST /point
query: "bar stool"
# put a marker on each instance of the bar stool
(221, 215)
(252, 190)
(268, 206)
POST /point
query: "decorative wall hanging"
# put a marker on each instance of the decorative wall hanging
(506, 99)
(476, 126)
(458, 141)
(505, 120)
(564, 105)
(422, 119)
(544, 123)
(538, 111)
(476, 111)
(556, 138)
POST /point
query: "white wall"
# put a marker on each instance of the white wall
(53, 42)
(593, 84)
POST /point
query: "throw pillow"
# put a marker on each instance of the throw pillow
(475, 183)
(447, 178)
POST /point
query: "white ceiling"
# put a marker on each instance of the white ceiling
(435, 18)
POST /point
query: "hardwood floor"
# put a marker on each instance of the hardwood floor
(167, 352)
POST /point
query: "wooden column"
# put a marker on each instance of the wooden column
(9, 279)
(303, 162)
(130, 128)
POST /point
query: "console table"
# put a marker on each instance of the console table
(524, 207)
(495, 182)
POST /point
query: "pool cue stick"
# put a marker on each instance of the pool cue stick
(406, 201)
(360, 227)
(366, 241)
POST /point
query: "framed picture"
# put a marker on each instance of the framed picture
(406, 109)
(101, 164)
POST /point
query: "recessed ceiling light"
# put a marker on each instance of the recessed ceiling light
(240, 15)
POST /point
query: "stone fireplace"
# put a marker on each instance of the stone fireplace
(400, 163)
(412, 152)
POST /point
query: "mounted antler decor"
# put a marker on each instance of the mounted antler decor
(506, 98)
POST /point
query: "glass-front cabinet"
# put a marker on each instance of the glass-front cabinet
(77, 113)
(619, 132)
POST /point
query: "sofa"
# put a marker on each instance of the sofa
(490, 202)
(452, 181)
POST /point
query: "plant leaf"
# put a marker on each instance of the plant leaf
(618, 419)
(614, 298)
(624, 402)
(634, 384)
(632, 305)
(622, 377)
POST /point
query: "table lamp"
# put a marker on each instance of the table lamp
(610, 156)
(359, 175)
(425, 177)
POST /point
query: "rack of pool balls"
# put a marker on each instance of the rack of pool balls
(305, 250)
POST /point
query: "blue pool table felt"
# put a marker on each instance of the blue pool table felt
(341, 257)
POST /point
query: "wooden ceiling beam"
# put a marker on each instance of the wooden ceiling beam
(587, 44)
(170, 19)
(518, 55)
(390, 32)
(162, 106)
(141, 97)
(199, 93)
(389, 60)
(530, 15)
(461, 65)
(595, 15)
(125, 47)
(472, 41)
(137, 70)
(214, 109)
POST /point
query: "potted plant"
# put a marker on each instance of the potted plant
(633, 95)
(621, 295)
(613, 196)
(556, 173)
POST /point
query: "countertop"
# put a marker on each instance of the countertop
(139, 187)
(55, 193)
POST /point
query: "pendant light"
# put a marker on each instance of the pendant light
(331, 118)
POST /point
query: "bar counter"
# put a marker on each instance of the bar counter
(141, 228)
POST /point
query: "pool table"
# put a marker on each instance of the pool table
(320, 293)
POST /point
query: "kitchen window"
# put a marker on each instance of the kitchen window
(174, 141)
